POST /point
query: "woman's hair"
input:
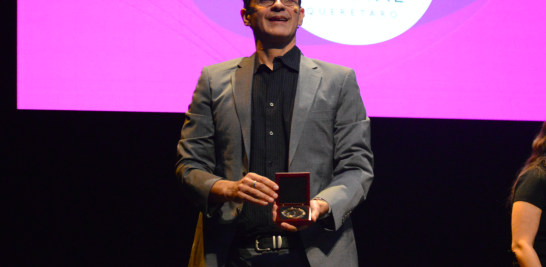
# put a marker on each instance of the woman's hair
(537, 160)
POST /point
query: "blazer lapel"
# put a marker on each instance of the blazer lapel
(241, 80)
(308, 83)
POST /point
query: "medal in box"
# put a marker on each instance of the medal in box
(293, 200)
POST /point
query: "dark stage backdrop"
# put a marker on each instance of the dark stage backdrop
(98, 188)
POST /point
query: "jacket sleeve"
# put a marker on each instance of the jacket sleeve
(196, 151)
(353, 158)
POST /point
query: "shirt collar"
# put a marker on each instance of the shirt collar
(290, 59)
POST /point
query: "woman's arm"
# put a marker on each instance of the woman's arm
(525, 221)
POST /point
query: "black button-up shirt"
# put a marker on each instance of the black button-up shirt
(273, 95)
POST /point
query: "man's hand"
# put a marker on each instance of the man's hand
(318, 208)
(253, 188)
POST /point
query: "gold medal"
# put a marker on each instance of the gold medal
(293, 213)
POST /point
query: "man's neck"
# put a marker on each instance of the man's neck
(267, 53)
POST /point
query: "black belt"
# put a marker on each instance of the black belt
(263, 243)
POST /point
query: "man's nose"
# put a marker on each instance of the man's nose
(278, 4)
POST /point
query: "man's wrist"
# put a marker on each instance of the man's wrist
(219, 192)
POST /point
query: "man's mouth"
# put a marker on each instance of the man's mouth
(278, 18)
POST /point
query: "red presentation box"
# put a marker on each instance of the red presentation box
(293, 200)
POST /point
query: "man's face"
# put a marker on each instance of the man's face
(275, 24)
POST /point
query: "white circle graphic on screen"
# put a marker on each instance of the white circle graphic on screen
(361, 22)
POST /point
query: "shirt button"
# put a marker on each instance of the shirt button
(271, 104)
(270, 132)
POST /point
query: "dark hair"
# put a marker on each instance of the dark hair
(247, 4)
(537, 160)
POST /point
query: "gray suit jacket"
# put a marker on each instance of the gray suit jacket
(330, 138)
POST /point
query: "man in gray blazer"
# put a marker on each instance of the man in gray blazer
(328, 136)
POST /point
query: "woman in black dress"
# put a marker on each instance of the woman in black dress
(529, 199)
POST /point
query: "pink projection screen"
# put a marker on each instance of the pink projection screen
(463, 59)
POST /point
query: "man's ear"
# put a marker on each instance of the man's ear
(245, 16)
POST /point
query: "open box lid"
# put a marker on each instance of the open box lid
(293, 188)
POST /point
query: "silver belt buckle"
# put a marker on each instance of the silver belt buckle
(277, 243)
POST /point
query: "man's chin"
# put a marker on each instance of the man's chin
(281, 38)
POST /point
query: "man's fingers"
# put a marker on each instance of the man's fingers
(274, 212)
(292, 228)
(249, 198)
(256, 193)
(260, 183)
(265, 189)
(314, 210)
(264, 180)
(288, 227)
